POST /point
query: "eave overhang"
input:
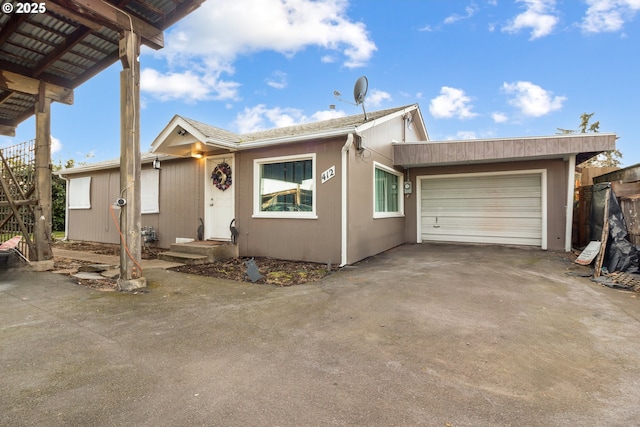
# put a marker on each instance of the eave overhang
(442, 153)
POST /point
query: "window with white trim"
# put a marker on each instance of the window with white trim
(80, 193)
(284, 187)
(387, 194)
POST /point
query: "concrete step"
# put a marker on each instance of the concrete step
(183, 258)
(214, 251)
(200, 248)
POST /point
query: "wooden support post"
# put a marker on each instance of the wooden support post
(130, 214)
(42, 211)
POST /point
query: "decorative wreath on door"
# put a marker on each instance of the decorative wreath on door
(221, 176)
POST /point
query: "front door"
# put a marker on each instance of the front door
(219, 204)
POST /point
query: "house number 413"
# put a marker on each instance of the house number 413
(328, 174)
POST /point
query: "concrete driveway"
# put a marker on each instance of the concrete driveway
(433, 335)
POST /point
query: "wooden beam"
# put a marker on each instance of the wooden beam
(131, 275)
(85, 21)
(5, 97)
(11, 26)
(19, 83)
(42, 220)
(121, 21)
(8, 130)
(70, 41)
(96, 68)
(29, 202)
(4, 203)
(45, 77)
(624, 190)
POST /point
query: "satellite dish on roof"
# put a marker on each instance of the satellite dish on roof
(359, 93)
(360, 90)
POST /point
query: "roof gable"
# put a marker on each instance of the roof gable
(182, 136)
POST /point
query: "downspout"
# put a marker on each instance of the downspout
(570, 192)
(343, 203)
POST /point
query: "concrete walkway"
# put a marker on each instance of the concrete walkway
(423, 335)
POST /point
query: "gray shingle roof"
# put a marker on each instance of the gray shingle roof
(213, 132)
(347, 122)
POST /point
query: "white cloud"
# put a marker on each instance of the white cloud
(375, 97)
(187, 86)
(452, 102)
(278, 80)
(56, 145)
(608, 15)
(531, 99)
(470, 11)
(204, 46)
(224, 29)
(326, 115)
(463, 134)
(499, 117)
(539, 16)
(260, 117)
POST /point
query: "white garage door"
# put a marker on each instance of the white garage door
(504, 209)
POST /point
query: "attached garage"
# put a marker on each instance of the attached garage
(495, 207)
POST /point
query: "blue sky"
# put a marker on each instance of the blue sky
(478, 69)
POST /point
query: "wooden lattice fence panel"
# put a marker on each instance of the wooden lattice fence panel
(17, 194)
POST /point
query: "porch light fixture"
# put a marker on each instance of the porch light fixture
(156, 163)
(197, 154)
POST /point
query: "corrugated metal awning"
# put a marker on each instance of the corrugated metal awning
(64, 43)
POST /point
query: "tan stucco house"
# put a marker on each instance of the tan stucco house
(341, 190)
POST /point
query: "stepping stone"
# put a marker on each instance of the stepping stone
(88, 275)
(113, 273)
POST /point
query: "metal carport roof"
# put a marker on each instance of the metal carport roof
(65, 42)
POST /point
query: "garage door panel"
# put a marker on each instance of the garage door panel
(530, 207)
(481, 226)
(479, 194)
(484, 206)
(504, 209)
(482, 239)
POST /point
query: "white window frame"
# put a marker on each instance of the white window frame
(150, 191)
(257, 164)
(400, 175)
(79, 193)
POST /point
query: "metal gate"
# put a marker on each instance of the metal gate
(18, 195)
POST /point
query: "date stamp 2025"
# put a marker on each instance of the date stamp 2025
(23, 8)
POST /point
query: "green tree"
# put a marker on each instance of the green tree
(612, 158)
(59, 197)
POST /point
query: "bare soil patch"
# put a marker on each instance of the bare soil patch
(274, 271)
(104, 248)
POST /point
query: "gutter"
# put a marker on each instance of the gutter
(111, 164)
(343, 202)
